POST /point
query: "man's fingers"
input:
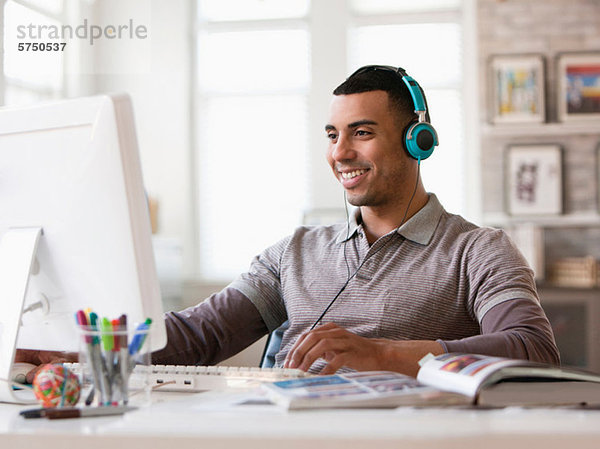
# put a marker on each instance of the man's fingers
(296, 352)
(334, 364)
(41, 358)
(290, 356)
(31, 374)
(326, 344)
(315, 344)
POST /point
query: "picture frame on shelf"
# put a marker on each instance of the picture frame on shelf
(517, 89)
(578, 76)
(533, 180)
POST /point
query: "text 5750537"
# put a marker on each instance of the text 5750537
(42, 46)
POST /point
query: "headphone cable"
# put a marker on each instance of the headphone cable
(390, 237)
(347, 236)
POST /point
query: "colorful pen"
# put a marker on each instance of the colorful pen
(140, 336)
(98, 362)
(124, 358)
(83, 321)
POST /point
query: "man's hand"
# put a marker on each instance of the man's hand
(339, 347)
(40, 358)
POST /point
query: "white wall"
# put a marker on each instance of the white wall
(328, 49)
(156, 72)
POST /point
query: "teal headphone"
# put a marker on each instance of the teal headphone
(420, 137)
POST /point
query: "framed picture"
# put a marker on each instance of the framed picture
(578, 86)
(517, 89)
(534, 180)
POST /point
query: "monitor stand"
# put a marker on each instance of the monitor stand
(17, 254)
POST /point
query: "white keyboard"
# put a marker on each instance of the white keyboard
(201, 378)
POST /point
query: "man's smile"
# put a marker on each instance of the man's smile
(353, 174)
(350, 178)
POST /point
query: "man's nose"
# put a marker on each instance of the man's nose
(343, 149)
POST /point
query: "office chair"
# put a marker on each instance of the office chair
(272, 346)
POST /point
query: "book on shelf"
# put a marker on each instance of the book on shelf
(529, 239)
(445, 380)
(578, 272)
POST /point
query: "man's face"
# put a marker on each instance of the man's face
(365, 150)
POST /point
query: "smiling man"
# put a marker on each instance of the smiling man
(364, 155)
(402, 279)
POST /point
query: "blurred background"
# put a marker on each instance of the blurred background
(231, 97)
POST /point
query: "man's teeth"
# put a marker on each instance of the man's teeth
(353, 174)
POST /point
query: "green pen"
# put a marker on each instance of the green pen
(106, 334)
(98, 362)
(108, 342)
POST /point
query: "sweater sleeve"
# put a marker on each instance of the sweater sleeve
(504, 300)
(217, 328)
(517, 328)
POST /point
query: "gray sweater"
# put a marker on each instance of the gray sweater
(438, 277)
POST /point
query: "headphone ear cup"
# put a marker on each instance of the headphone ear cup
(420, 139)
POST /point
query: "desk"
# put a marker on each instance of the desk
(182, 421)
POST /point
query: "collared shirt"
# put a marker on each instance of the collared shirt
(438, 277)
(434, 278)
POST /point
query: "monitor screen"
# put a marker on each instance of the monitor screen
(71, 168)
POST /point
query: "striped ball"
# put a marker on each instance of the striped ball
(56, 386)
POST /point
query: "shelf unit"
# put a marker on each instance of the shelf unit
(575, 316)
(574, 313)
(502, 220)
(540, 129)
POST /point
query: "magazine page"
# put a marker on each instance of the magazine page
(360, 384)
(463, 373)
(359, 389)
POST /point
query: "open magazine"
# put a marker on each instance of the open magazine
(448, 379)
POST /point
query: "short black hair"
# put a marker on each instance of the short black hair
(388, 81)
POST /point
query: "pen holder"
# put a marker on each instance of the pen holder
(115, 366)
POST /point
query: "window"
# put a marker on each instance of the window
(264, 71)
(430, 51)
(252, 86)
(30, 76)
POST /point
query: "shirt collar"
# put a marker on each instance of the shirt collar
(351, 228)
(419, 228)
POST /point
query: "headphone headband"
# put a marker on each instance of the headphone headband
(420, 138)
(415, 90)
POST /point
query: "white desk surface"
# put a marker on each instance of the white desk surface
(208, 420)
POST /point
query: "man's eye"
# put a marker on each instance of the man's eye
(361, 132)
(332, 136)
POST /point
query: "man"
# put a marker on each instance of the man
(408, 278)
(404, 278)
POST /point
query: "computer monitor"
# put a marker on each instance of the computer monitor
(74, 225)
